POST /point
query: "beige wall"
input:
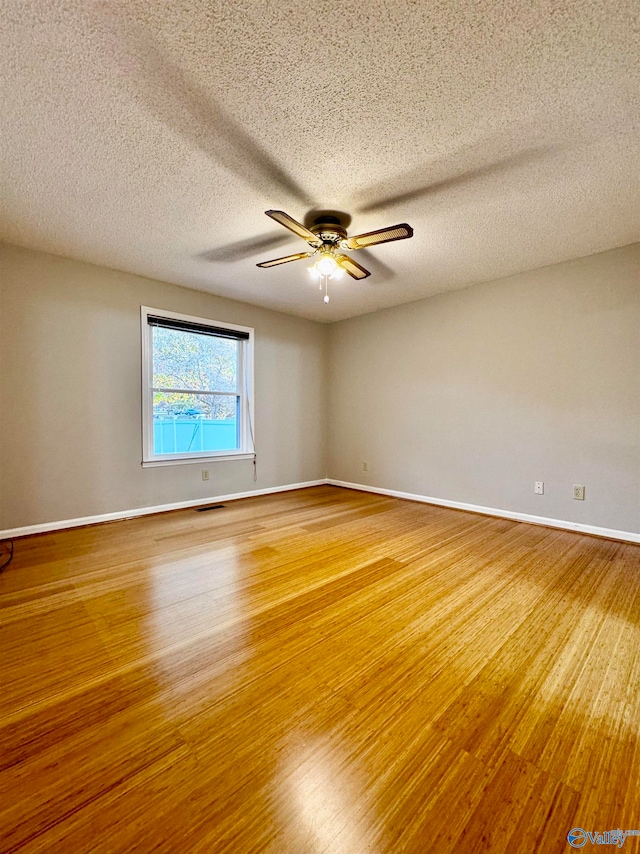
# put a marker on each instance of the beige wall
(470, 396)
(70, 385)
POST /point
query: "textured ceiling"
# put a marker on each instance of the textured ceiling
(151, 137)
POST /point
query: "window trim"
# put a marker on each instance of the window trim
(247, 448)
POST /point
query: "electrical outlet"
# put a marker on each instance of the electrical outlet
(538, 487)
(205, 474)
(365, 466)
(578, 492)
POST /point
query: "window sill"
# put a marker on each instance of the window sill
(180, 461)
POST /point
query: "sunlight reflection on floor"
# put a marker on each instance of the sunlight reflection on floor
(327, 795)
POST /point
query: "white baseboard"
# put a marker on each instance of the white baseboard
(610, 533)
(44, 527)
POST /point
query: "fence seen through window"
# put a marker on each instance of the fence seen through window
(196, 394)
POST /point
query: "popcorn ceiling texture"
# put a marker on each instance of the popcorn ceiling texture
(151, 137)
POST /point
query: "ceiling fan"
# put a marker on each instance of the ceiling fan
(328, 240)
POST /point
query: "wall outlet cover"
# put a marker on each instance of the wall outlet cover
(578, 492)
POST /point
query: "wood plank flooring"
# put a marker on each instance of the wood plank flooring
(318, 671)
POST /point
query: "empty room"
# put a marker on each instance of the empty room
(319, 427)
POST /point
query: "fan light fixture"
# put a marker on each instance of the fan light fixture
(328, 235)
(326, 267)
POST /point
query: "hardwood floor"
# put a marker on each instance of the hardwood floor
(318, 671)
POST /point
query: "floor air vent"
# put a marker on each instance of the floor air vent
(209, 507)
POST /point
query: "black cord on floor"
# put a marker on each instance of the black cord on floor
(9, 544)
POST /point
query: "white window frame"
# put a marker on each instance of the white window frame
(245, 385)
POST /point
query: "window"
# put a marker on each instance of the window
(197, 382)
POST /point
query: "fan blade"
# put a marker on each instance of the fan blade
(383, 235)
(284, 260)
(294, 226)
(352, 267)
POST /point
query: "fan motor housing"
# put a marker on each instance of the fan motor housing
(329, 229)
